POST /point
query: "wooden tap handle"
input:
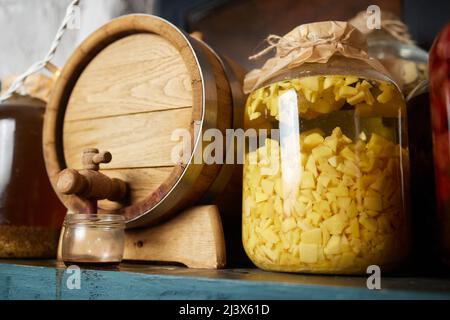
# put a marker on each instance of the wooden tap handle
(93, 157)
(91, 185)
(102, 157)
(119, 190)
(70, 181)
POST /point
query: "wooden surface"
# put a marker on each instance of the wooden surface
(140, 73)
(46, 280)
(193, 238)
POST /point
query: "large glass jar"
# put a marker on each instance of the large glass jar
(30, 213)
(325, 191)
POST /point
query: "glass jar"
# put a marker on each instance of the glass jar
(440, 115)
(31, 214)
(326, 191)
(391, 44)
(407, 63)
(93, 240)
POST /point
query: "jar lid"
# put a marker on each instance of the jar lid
(313, 42)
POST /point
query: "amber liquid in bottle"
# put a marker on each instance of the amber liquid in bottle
(30, 213)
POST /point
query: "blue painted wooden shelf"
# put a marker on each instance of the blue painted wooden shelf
(48, 280)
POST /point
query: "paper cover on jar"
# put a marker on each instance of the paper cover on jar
(314, 42)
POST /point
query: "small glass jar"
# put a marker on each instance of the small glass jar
(326, 191)
(93, 240)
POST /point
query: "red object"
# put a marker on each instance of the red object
(440, 112)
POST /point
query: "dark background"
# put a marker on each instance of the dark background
(237, 28)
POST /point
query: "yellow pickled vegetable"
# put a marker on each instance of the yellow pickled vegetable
(345, 211)
(320, 95)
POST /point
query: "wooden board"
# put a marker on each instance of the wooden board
(47, 280)
(141, 181)
(139, 73)
(193, 238)
(135, 141)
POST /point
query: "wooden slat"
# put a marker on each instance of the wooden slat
(141, 182)
(193, 237)
(152, 76)
(135, 141)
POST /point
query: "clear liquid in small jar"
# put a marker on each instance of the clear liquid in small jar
(93, 240)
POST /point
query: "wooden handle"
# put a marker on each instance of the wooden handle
(92, 158)
(89, 183)
(102, 157)
(71, 182)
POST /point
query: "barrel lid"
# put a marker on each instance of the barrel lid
(125, 90)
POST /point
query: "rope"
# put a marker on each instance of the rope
(287, 46)
(38, 66)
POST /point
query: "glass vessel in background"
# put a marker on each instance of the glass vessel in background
(406, 61)
(93, 240)
(326, 191)
(31, 215)
(440, 115)
(393, 47)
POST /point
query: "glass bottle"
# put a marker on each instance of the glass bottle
(30, 213)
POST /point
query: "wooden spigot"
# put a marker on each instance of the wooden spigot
(89, 183)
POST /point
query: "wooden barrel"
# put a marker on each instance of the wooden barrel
(125, 90)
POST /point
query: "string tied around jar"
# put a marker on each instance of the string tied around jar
(314, 42)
